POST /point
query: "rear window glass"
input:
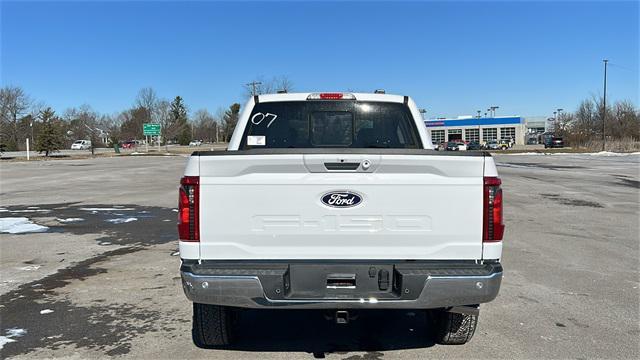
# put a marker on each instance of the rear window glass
(337, 124)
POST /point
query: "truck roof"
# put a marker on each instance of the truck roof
(303, 96)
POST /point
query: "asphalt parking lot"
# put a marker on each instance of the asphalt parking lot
(108, 284)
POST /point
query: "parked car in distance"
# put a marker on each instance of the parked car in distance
(553, 142)
(474, 145)
(128, 144)
(462, 146)
(452, 146)
(81, 145)
(492, 145)
(195, 143)
(504, 144)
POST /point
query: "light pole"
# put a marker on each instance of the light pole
(493, 110)
(604, 105)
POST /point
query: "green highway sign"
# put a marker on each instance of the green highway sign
(151, 129)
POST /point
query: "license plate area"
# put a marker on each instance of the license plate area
(339, 281)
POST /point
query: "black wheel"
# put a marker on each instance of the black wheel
(212, 325)
(453, 328)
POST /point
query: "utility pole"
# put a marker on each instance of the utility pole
(253, 85)
(604, 105)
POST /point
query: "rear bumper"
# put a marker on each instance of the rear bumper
(300, 285)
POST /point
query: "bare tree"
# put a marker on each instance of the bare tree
(275, 84)
(283, 83)
(148, 100)
(169, 128)
(205, 125)
(14, 104)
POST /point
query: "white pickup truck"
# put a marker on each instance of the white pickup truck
(337, 201)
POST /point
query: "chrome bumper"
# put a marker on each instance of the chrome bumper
(247, 291)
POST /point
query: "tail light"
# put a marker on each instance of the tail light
(493, 225)
(189, 208)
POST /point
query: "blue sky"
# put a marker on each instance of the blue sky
(453, 58)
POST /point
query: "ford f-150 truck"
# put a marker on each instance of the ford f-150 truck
(338, 201)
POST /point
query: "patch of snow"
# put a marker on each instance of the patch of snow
(3, 210)
(526, 153)
(46, 311)
(175, 253)
(11, 333)
(121, 220)
(601, 153)
(69, 220)
(174, 210)
(29, 267)
(165, 220)
(30, 211)
(106, 209)
(16, 332)
(609, 153)
(5, 340)
(20, 225)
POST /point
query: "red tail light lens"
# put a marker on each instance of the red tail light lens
(189, 208)
(493, 225)
(331, 96)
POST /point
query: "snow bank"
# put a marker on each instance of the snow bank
(20, 225)
(609, 153)
(601, 153)
(121, 220)
(106, 209)
(70, 220)
(29, 268)
(526, 153)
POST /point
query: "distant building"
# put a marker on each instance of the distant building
(485, 129)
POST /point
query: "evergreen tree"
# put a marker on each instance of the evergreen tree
(230, 119)
(178, 114)
(50, 137)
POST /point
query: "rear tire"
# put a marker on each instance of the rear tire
(454, 329)
(212, 325)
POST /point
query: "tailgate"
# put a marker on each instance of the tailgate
(341, 206)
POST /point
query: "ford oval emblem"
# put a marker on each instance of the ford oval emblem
(341, 199)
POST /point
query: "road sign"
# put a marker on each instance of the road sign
(151, 129)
